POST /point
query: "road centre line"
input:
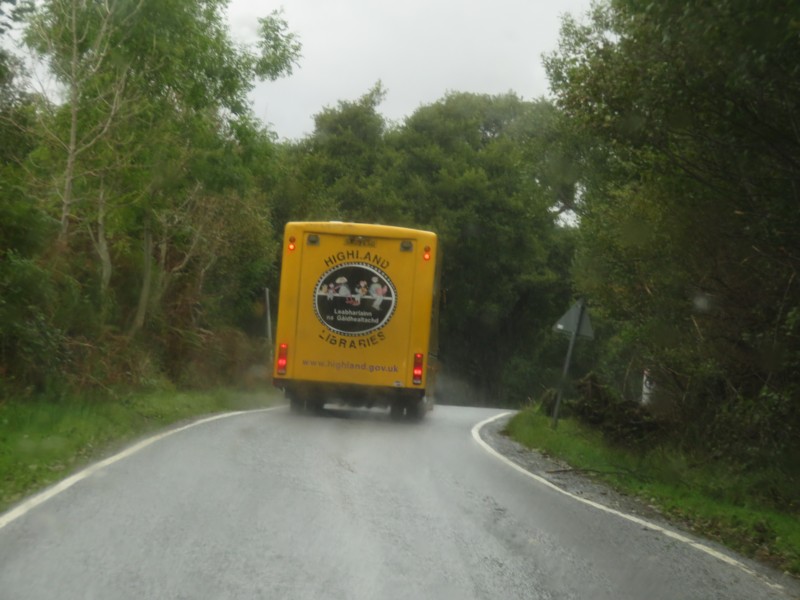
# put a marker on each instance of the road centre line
(65, 484)
(632, 518)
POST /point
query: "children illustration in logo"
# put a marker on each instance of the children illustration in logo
(377, 291)
(354, 298)
(361, 291)
(342, 288)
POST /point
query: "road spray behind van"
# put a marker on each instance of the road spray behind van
(358, 316)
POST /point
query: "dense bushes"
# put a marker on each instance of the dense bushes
(688, 217)
(621, 420)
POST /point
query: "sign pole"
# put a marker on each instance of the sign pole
(269, 322)
(572, 339)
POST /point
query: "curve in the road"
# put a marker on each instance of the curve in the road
(633, 518)
(685, 540)
(63, 485)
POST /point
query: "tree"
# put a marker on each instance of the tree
(11, 12)
(467, 169)
(690, 199)
(155, 158)
(122, 84)
(479, 171)
(30, 348)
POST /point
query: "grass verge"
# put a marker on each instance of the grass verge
(43, 441)
(716, 500)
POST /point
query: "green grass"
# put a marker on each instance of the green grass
(43, 441)
(755, 513)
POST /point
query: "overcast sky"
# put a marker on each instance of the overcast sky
(419, 49)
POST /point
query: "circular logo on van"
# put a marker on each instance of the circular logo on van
(354, 299)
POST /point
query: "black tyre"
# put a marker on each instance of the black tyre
(397, 409)
(415, 410)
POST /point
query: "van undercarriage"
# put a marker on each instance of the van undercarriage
(310, 396)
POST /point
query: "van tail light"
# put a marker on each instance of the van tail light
(283, 351)
(417, 379)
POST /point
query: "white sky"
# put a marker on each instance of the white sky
(419, 49)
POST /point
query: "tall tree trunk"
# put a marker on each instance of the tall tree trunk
(72, 144)
(103, 252)
(147, 281)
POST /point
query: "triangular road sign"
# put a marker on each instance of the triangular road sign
(568, 323)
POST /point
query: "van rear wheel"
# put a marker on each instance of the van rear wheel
(396, 409)
(415, 410)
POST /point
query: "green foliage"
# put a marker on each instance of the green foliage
(621, 421)
(481, 171)
(11, 13)
(752, 511)
(132, 214)
(688, 208)
(462, 167)
(279, 49)
(32, 349)
(41, 441)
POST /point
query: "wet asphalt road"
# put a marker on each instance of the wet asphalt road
(346, 505)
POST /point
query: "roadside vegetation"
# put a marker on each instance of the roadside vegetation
(753, 511)
(142, 207)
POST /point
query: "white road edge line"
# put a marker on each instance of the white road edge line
(67, 483)
(634, 519)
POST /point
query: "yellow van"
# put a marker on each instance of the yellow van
(358, 316)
